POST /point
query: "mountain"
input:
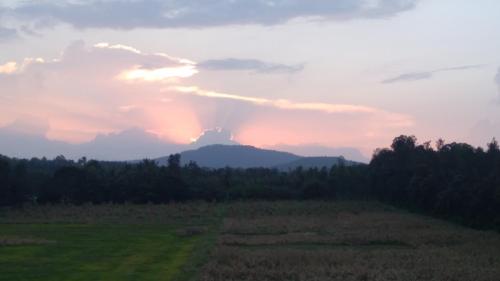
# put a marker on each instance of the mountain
(244, 156)
(237, 156)
(27, 140)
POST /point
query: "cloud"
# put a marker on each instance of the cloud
(106, 88)
(126, 14)
(214, 136)
(131, 144)
(414, 76)
(86, 92)
(268, 122)
(281, 103)
(27, 30)
(7, 34)
(272, 126)
(8, 67)
(28, 125)
(250, 65)
(409, 77)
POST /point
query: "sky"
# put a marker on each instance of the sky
(273, 73)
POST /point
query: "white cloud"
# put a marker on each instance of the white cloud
(159, 74)
(105, 45)
(8, 68)
(214, 136)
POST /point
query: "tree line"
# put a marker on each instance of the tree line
(454, 181)
(42, 181)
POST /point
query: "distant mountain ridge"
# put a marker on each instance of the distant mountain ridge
(135, 144)
(123, 146)
(245, 156)
(237, 156)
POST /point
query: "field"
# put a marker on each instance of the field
(262, 241)
(128, 242)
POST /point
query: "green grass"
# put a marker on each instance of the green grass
(95, 252)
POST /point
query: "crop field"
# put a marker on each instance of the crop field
(290, 240)
(346, 241)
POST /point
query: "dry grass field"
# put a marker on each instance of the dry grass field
(316, 241)
(258, 241)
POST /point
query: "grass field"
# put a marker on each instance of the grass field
(106, 242)
(241, 241)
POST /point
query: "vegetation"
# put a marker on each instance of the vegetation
(240, 240)
(68, 182)
(81, 252)
(313, 240)
(107, 242)
(454, 181)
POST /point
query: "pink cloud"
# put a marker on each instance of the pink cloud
(80, 95)
(107, 88)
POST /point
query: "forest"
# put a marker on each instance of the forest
(455, 181)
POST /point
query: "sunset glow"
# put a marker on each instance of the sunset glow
(297, 139)
(322, 77)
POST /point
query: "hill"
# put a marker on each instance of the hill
(236, 156)
(26, 140)
(244, 156)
